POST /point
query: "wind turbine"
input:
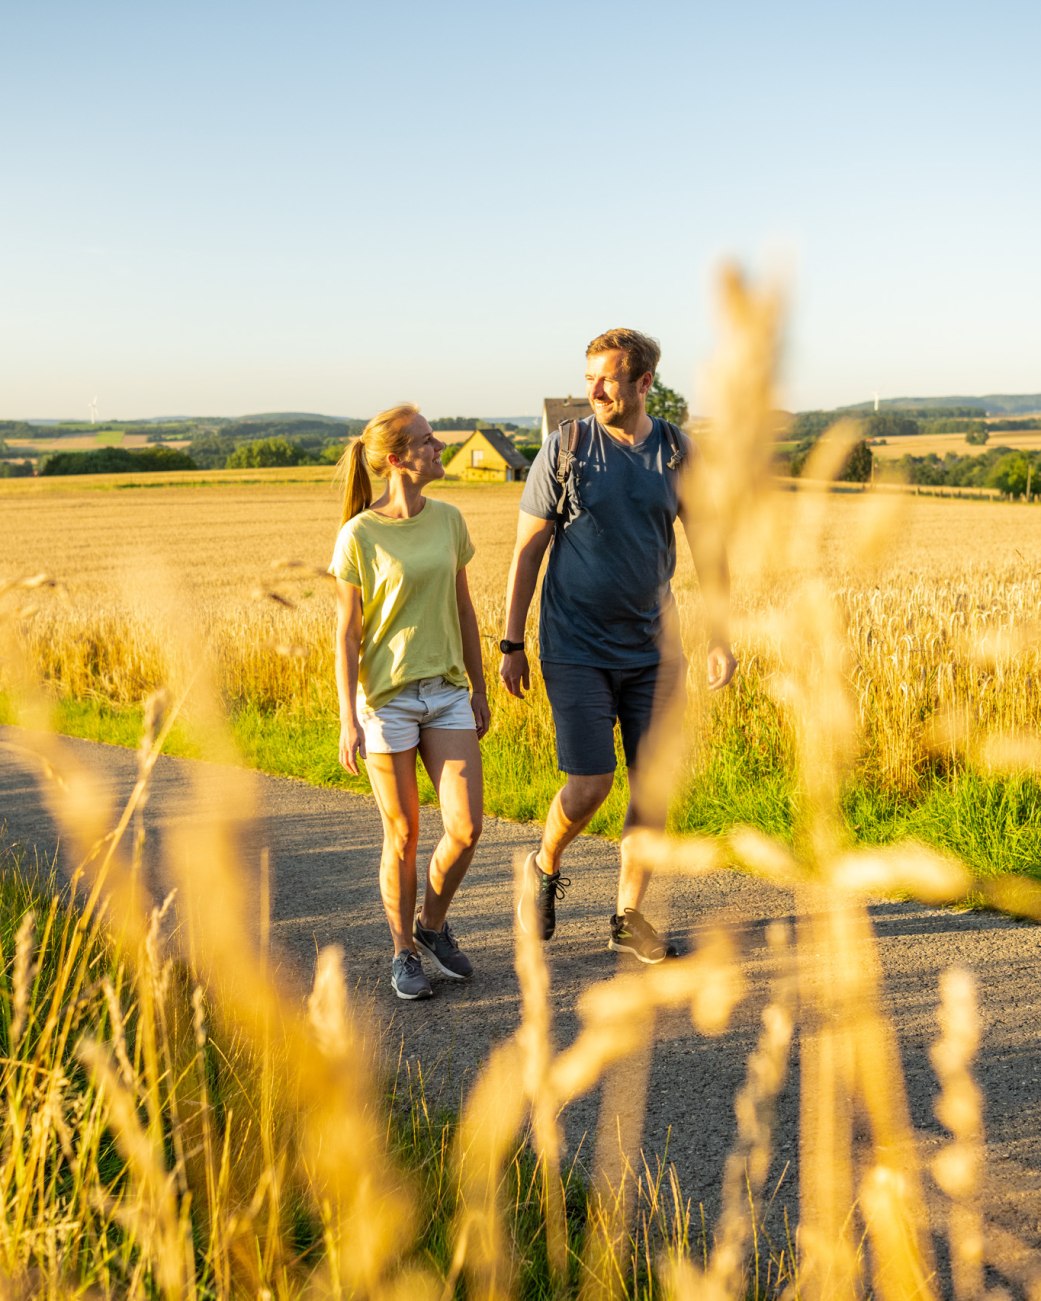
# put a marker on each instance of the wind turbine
(94, 410)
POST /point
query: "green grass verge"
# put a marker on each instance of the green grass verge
(991, 823)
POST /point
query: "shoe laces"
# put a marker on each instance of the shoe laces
(411, 963)
(446, 932)
(555, 885)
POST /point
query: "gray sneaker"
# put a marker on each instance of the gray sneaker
(442, 950)
(408, 977)
(633, 933)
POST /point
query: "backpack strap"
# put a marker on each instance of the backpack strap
(672, 437)
(570, 432)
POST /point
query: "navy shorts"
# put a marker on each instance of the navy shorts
(587, 701)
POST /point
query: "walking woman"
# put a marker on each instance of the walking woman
(406, 643)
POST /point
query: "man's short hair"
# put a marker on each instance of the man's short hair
(642, 353)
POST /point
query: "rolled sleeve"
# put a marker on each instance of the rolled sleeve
(541, 489)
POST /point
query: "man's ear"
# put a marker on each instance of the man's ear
(643, 384)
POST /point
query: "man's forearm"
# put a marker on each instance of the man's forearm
(520, 588)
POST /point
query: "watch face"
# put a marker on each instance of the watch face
(507, 646)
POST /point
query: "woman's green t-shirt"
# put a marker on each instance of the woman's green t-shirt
(406, 569)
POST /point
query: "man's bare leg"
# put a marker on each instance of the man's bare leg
(654, 778)
(633, 879)
(570, 813)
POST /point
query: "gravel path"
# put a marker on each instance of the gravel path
(324, 848)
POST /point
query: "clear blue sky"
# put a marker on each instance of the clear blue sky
(236, 207)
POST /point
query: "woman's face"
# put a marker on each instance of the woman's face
(422, 461)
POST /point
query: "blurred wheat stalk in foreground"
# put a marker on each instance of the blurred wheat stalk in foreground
(182, 1123)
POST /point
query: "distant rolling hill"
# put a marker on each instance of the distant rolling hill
(295, 415)
(994, 404)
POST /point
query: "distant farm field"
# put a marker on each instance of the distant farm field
(77, 442)
(941, 444)
(203, 479)
(148, 578)
(221, 532)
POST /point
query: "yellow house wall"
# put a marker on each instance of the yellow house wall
(486, 473)
(494, 466)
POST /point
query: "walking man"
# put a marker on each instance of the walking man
(608, 641)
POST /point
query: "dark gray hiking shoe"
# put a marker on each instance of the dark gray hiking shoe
(408, 977)
(634, 934)
(442, 950)
(546, 890)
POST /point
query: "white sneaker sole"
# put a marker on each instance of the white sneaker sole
(615, 947)
(423, 993)
(531, 865)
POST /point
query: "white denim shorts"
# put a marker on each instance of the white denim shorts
(427, 702)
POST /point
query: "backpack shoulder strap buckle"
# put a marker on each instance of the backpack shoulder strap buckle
(677, 452)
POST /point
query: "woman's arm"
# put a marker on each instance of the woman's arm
(472, 653)
(348, 644)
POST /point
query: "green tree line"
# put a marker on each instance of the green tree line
(1013, 473)
(117, 460)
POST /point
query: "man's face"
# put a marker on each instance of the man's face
(615, 398)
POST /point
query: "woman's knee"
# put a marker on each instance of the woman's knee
(465, 827)
(400, 837)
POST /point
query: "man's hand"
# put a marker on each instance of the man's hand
(482, 714)
(721, 666)
(352, 744)
(515, 674)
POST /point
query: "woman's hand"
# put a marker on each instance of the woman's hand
(352, 744)
(482, 714)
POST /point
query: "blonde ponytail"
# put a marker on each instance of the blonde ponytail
(357, 494)
(386, 434)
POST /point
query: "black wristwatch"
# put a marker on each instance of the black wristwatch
(507, 646)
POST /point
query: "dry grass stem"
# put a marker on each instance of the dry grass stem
(957, 1168)
(487, 1129)
(907, 869)
(535, 1041)
(748, 1163)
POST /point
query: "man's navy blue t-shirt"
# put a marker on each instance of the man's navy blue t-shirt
(607, 580)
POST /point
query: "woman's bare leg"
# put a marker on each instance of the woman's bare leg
(393, 781)
(452, 757)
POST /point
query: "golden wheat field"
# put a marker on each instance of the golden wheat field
(940, 608)
(941, 444)
(178, 1126)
